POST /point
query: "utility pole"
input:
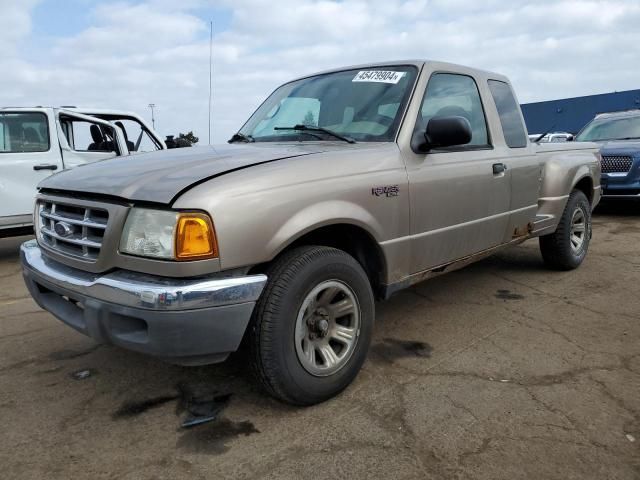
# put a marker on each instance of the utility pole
(153, 119)
(210, 74)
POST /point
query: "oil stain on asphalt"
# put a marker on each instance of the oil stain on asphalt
(203, 429)
(132, 409)
(508, 295)
(213, 437)
(69, 354)
(391, 349)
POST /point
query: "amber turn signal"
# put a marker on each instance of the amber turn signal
(195, 237)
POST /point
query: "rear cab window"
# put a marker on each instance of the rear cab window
(509, 112)
(22, 132)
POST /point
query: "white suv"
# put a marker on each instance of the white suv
(36, 142)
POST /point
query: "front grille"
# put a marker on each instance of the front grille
(616, 164)
(72, 230)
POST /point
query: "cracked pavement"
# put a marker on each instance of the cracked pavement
(501, 370)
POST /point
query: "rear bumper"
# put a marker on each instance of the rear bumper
(186, 321)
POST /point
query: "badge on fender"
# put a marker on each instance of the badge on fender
(386, 191)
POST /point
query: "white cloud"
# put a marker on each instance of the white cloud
(15, 23)
(157, 51)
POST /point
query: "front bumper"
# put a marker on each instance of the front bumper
(187, 321)
(622, 185)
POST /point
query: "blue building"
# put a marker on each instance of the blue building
(571, 114)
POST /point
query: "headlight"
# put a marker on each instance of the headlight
(168, 235)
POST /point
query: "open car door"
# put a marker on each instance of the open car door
(85, 139)
(28, 154)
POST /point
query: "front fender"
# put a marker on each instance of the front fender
(312, 217)
(259, 211)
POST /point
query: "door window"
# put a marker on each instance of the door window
(84, 136)
(24, 132)
(509, 113)
(451, 94)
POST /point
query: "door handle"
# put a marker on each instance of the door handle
(45, 167)
(499, 168)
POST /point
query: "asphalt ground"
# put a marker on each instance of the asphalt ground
(501, 370)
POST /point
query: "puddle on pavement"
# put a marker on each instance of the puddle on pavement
(212, 438)
(508, 295)
(391, 349)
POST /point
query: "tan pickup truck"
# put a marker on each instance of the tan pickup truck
(342, 188)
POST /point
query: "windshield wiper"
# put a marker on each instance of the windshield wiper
(241, 137)
(627, 138)
(303, 128)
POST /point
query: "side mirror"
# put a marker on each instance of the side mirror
(442, 132)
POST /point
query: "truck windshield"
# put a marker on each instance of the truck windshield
(364, 105)
(621, 128)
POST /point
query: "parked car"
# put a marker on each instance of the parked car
(36, 142)
(618, 133)
(342, 188)
(552, 137)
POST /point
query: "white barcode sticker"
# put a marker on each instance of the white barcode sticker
(379, 76)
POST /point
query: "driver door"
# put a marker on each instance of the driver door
(459, 206)
(85, 139)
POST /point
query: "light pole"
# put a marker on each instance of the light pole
(153, 119)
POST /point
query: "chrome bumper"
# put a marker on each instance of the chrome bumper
(186, 321)
(137, 290)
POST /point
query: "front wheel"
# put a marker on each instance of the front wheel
(566, 248)
(312, 326)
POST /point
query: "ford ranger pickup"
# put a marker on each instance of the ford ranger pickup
(342, 188)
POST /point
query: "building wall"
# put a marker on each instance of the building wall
(571, 114)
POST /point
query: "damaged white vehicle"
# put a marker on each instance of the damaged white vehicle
(37, 142)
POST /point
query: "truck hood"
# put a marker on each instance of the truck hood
(161, 176)
(620, 147)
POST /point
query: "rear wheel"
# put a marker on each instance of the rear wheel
(312, 326)
(566, 248)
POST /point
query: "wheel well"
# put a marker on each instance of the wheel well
(585, 185)
(353, 240)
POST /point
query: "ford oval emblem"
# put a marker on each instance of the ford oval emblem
(63, 229)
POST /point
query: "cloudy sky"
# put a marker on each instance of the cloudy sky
(127, 54)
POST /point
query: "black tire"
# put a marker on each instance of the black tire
(557, 249)
(292, 277)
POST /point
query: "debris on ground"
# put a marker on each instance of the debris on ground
(81, 374)
(204, 409)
